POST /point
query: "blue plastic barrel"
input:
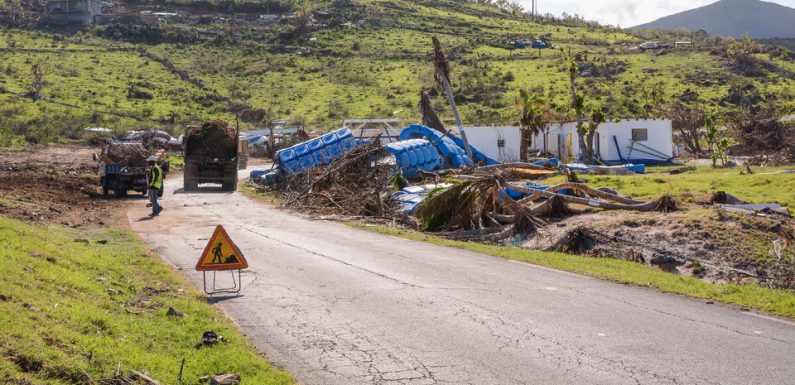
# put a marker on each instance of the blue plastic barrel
(301, 150)
(315, 144)
(329, 138)
(334, 150)
(321, 157)
(306, 161)
(285, 155)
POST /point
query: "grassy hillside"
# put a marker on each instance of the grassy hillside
(75, 304)
(362, 59)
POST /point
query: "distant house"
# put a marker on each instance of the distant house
(73, 11)
(625, 141)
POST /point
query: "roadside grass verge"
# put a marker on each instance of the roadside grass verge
(778, 302)
(74, 303)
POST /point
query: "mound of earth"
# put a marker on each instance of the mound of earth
(703, 241)
(54, 185)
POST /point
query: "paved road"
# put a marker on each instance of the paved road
(336, 305)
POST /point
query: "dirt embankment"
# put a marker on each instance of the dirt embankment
(55, 185)
(702, 240)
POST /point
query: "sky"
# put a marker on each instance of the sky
(624, 13)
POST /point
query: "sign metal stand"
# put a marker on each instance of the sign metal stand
(235, 289)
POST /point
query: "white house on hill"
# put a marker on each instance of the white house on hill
(625, 141)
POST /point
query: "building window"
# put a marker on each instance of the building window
(640, 134)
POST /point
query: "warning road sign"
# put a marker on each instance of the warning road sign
(221, 253)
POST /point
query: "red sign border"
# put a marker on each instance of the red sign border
(237, 266)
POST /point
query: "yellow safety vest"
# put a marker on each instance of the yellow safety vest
(155, 177)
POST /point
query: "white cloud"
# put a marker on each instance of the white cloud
(625, 13)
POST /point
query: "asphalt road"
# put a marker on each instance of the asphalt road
(337, 305)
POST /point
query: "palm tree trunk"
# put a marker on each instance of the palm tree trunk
(448, 90)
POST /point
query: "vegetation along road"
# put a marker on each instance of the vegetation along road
(337, 305)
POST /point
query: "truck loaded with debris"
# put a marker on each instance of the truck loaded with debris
(122, 167)
(211, 155)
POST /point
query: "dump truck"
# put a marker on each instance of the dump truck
(211, 155)
(122, 167)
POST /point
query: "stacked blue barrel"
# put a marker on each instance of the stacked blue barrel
(316, 152)
(452, 153)
(414, 155)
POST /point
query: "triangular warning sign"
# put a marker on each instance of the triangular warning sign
(221, 253)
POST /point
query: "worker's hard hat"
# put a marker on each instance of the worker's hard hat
(151, 159)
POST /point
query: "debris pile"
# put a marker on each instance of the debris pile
(415, 182)
(212, 140)
(132, 154)
(352, 185)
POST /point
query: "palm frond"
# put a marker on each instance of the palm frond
(429, 117)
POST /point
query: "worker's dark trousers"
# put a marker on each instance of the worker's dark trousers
(153, 200)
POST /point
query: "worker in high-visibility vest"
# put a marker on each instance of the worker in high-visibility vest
(154, 178)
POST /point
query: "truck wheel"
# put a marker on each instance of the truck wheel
(105, 186)
(190, 185)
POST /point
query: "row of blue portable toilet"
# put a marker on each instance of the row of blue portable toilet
(455, 156)
(316, 152)
(413, 155)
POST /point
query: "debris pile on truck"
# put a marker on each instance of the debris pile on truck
(130, 154)
(212, 140)
(211, 155)
(122, 167)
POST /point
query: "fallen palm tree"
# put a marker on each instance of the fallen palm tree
(596, 198)
(475, 209)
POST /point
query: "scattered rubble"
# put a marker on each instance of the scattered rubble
(484, 201)
(209, 338)
(352, 185)
(54, 184)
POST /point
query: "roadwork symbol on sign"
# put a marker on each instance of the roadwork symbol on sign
(221, 253)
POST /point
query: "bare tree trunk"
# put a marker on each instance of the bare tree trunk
(580, 132)
(448, 90)
(588, 157)
(523, 139)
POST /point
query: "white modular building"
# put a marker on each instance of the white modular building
(624, 141)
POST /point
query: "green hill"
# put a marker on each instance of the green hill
(350, 59)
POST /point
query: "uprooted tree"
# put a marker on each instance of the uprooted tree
(762, 133)
(688, 121)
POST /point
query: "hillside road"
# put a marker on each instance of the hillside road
(337, 305)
